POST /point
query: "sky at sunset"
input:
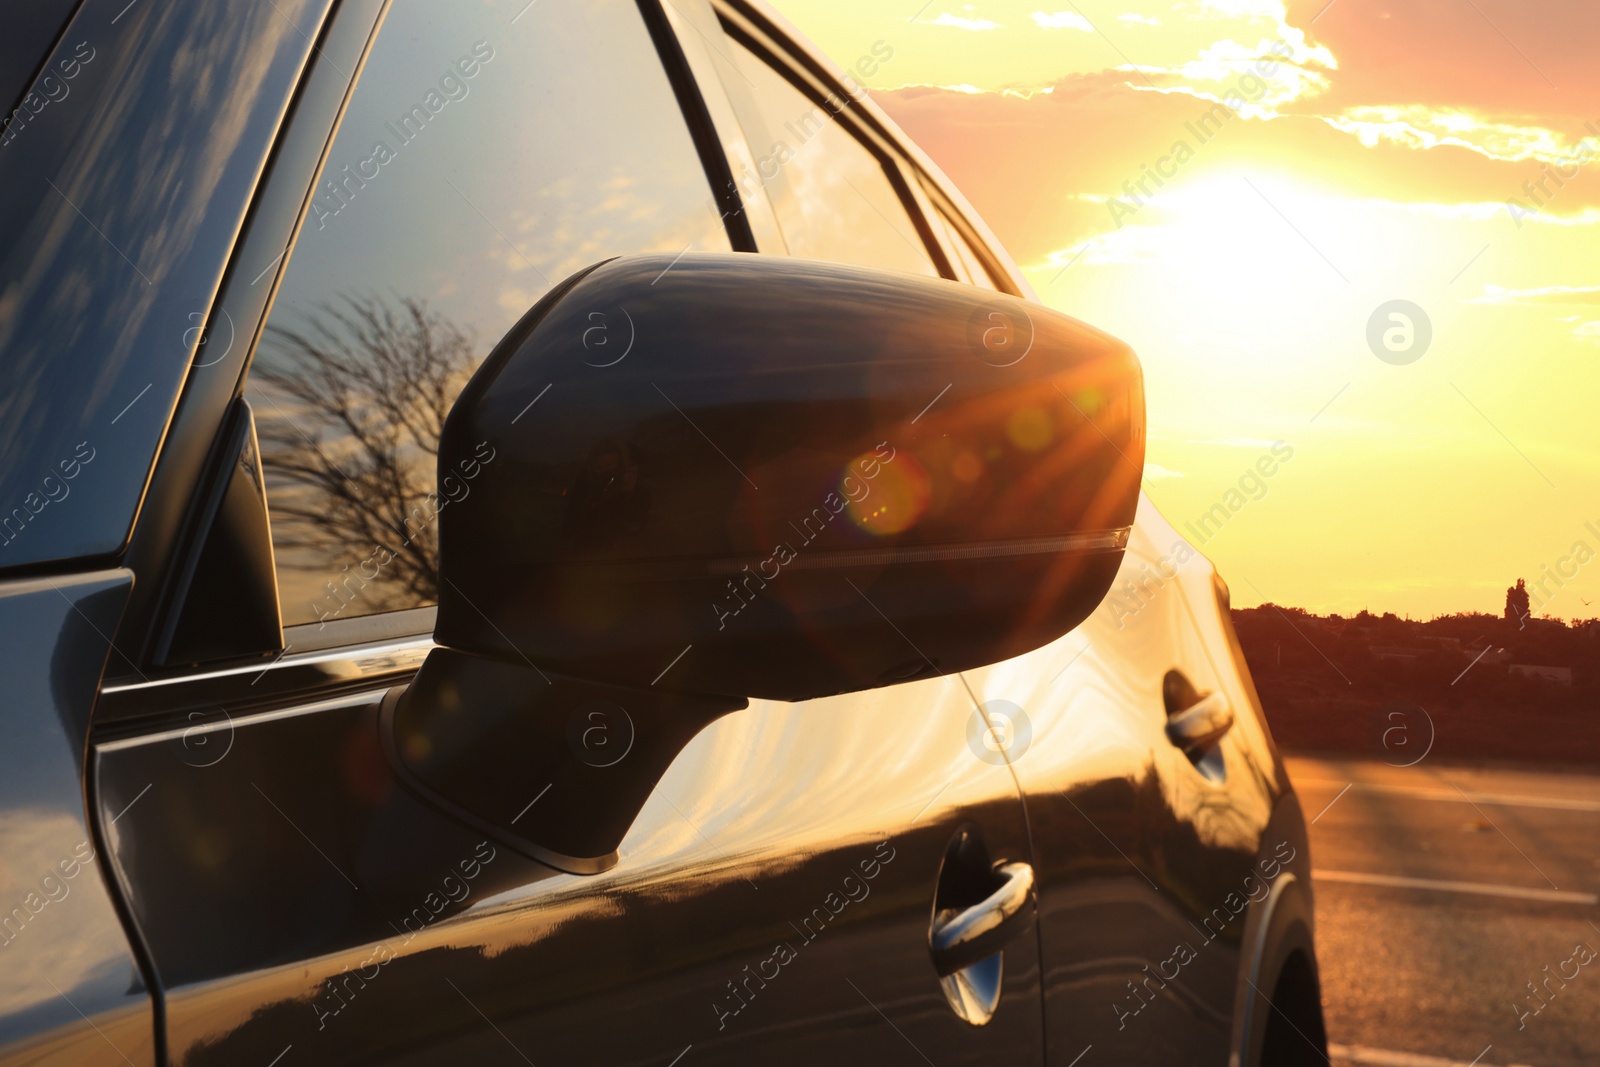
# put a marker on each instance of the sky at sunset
(1374, 152)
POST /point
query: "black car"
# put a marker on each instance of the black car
(548, 532)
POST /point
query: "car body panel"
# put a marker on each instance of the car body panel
(264, 880)
(70, 983)
(1135, 847)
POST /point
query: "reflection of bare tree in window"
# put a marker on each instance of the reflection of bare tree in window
(350, 435)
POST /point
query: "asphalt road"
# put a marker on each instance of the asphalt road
(1442, 891)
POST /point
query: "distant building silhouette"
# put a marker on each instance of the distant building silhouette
(1517, 606)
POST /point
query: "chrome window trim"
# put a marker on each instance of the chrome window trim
(229, 723)
(362, 655)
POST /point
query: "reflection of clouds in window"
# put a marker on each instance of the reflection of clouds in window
(831, 195)
(566, 147)
(578, 222)
(518, 172)
(158, 144)
(852, 211)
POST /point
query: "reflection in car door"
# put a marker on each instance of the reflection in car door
(771, 904)
(1145, 858)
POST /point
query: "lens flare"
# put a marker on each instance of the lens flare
(1030, 429)
(891, 503)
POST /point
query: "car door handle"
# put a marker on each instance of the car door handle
(1197, 728)
(961, 938)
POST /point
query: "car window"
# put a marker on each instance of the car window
(482, 159)
(971, 264)
(834, 196)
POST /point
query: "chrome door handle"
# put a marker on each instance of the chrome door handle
(1197, 728)
(961, 938)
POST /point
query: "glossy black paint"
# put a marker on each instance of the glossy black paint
(228, 593)
(294, 892)
(823, 478)
(27, 32)
(1152, 871)
(66, 965)
(121, 206)
(481, 738)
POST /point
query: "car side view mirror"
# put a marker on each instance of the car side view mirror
(687, 482)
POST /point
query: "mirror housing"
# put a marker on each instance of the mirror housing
(680, 482)
(784, 478)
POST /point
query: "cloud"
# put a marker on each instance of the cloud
(1422, 127)
(1133, 19)
(1114, 248)
(1007, 153)
(1062, 20)
(1589, 216)
(956, 22)
(1302, 51)
(1549, 294)
(965, 89)
(1234, 442)
(1238, 9)
(1588, 333)
(1258, 81)
(1155, 472)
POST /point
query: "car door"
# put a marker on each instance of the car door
(1149, 856)
(775, 898)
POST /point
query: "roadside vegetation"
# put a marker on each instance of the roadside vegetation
(1329, 683)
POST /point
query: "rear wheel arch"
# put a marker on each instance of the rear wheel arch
(1282, 998)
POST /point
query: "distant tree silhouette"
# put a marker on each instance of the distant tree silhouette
(357, 401)
(1517, 604)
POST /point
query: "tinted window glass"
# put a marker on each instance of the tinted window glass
(967, 257)
(482, 159)
(120, 197)
(832, 195)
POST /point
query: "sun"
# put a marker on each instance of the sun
(1258, 257)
